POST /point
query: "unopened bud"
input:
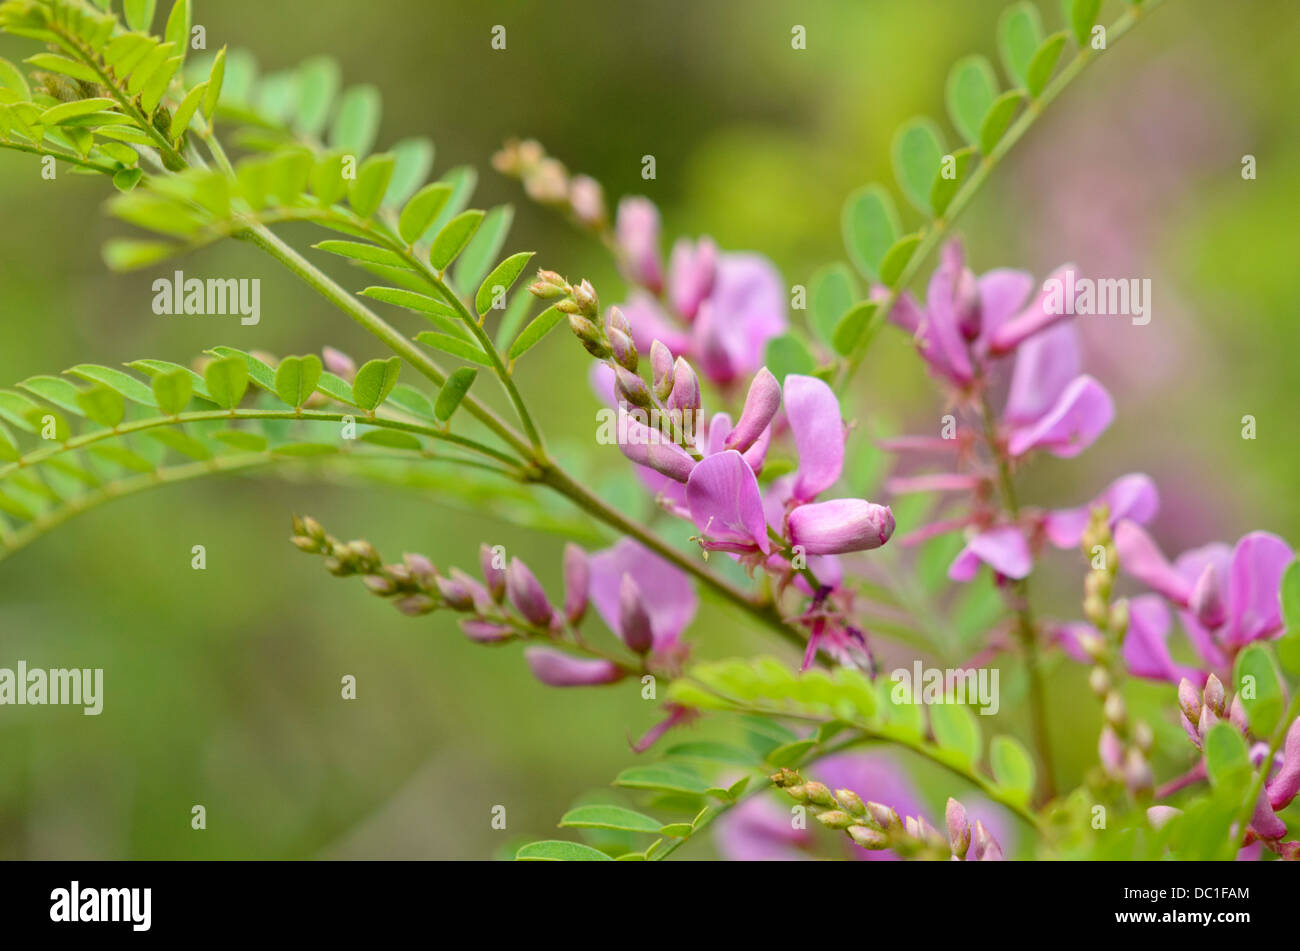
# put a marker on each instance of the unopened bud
(885, 817)
(1189, 700)
(589, 334)
(869, 838)
(835, 819)
(1214, 695)
(958, 828)
(851, 802)
(1114, 709)
(380, 585)
(415, 604)
(623, 349)
(1099, 681)
(584, 295)
(1119, 619)
(1137, 773)
(630, 388)
(661, 370)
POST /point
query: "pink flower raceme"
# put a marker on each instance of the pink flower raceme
(1226, 598)
(718, 309)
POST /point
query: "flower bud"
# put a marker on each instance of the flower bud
(869, 838)
(1214, 696)
(587, 200)
(584, 295)
(958, 828)
(592, 340)
(1137, 773)
(413, 605)
(840, 525)
(303, 543)
(819, 794)
(1143, 737)
(493, 575)
(1159, 815)
(662, 370)
(633, 619)
(623, 349)
(1284, 785)
(851, 801)
(486, 632)
(1114, 709)
(884, 817)
(835, 819)
(577, 582)
(1206, 722)
(559, 669)
(986, 847)
(455, 594)
(637, 234)
(1111, 752)
(339, 363)
(648, 447)
(1099, 681)
(1189, 700)
(527, 595)
(381, 585)
(1119, 617)
(761, 404)
(1205, 601)
(630, 388)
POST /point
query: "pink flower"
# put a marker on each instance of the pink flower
(1003, 549)
(556, 668)
(637, 231)
(666, 597)
(1133, 497)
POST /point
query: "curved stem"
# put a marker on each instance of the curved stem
(61, 156)
(940, 227)
(86, 439)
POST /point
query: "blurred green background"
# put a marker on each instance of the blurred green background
(222, 686)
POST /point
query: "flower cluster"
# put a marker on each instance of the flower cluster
(705, 467)
(642, 599)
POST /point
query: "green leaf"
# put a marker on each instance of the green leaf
(114, 379)
(1083, 14)
(215, 78)
(374, 381)
(1288, 645)
(870, 225)
(897, 258)
(1260, 688)
(371, 183)
(453, 391)
(532, 335)
(318, 84)
(500, 281)
(414, 160)
(124, 254)
(1044, 61)
(359, 251)
(407, 398)
(789, 753)
(185, 112)
(420, 303)
(259, 372)
(555, 850)
(421, 210)
(180, 442)
(71, 110)
(662, 778)
(227, 379)
(453, 237)
(856, 328)
(173, 391)
(917, 151)
(296, 379)
(1020, 31)
(484, 247)
(998, 119)
(102, 404)
(971, 89)
(456, 346)
(1226, 758)
(357, 122)
(609, 817)
(831, 293)
(53, 63)
(139, 14)
(178, 25)
(944, 188)
(709, 751)
(1013, 768)
(9, 451)
(55, 390)
(11, 77)
(392, 439)
(786, 354)
(956, 730)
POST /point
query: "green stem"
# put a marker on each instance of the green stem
(61, 156)
(80, 442)
(940, 227)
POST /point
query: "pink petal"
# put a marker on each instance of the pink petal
(692, 269)
(1079, 417)
(840, 526)
(1132, 497)
(814, 414)
(1038, 316)
(670, 599)
(1003, 292)
(637, 232)
(1003, 549)
(722, 494)
(556, 668)
(1140, 557)
(649, 323)
(1146, 650)
(1254, 611)
(1045, 366)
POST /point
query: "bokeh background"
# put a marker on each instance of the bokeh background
(222, 686)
